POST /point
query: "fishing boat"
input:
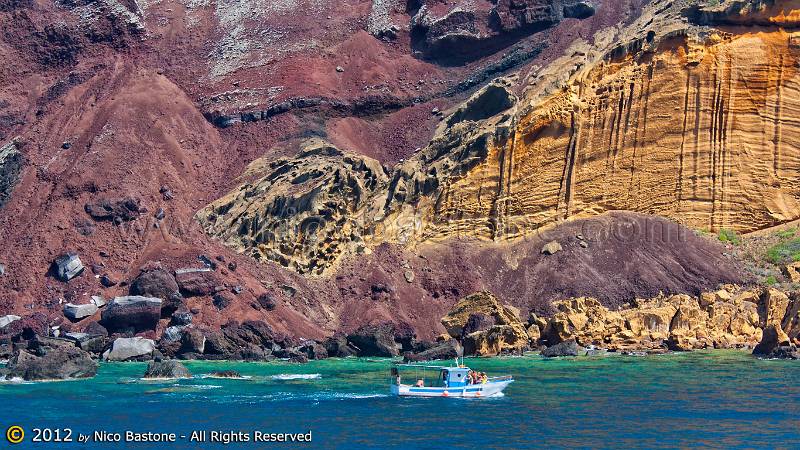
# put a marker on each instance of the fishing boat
(446, 381)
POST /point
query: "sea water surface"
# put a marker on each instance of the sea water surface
(715, 399)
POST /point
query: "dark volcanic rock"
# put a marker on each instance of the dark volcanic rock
(267, 302)
(771, 340)
(197, 283)
(115, 210)
(384, 339)
(59, 363)
(566, 348)
(221, 300)
(131, 314)
(314, 350)
(166, 369)
(446, 350)
(11, 162)
(478, 322)
(193, 341)
(226, 374)
(155, 282)
(337, 346)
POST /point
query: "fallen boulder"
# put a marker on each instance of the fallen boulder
(196, 282)
(126, 349)
(166, 369)
(337, 346)
(60, 363)
(772, 338)
(131, 314)
(75, 312)
(68, 266)
(115, 210)
(8, 319)
(158, 283)
(92, 343)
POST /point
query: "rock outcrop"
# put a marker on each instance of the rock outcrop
(303, 212)
(11, 162)
(166, 369)
(465, 30)
(383, 339)
(485, 327)
(58, 363)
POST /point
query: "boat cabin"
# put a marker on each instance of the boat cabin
(455, 376)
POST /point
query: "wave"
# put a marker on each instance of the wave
(214, 377)
(296, 376)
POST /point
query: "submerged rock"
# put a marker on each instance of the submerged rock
(166, 369)
(225, 374)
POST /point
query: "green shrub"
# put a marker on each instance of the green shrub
(784, 252)
(726, 235)
(787, 233)
(770, 280)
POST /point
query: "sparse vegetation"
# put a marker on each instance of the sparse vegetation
(787, 233)
(728, 236)
(770, 280)
(784, 252)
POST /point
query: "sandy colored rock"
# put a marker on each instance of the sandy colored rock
(482, 303)
(792, 272)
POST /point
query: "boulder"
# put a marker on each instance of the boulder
(182, 317)
(566, 348)
(221, 300)
(115, 210)
(313, 350)
(196, 282)
(79, 312)
(383, 339)
(485, 326)
(166, 369)
(60, 363)
(92, 343)
(155, 282)
(68, 266)
(98, 301)
(132, 314)
(173, 333)
(483, 303)
(126, 349)
(449, 349)
(267, 302)
(772, 338)
(551, 248)
(8, 319)
(337, 346)
(193, 341)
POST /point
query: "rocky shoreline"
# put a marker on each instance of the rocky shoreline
(766, 320)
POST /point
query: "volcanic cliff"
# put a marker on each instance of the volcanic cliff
(319, 166)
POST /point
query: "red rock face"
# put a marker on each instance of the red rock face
(114, 102)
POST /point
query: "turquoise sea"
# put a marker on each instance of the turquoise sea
(717, 399)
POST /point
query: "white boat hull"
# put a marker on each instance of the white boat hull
(473, 390)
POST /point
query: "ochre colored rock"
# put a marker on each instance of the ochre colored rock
(504, 332)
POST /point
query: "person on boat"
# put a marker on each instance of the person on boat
(420, 383)
(472, 378)
(484, 378)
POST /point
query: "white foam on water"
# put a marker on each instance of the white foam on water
(296, 376)
(214, 377)
(15, 380)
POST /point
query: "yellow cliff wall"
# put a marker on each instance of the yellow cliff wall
(704, 133)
